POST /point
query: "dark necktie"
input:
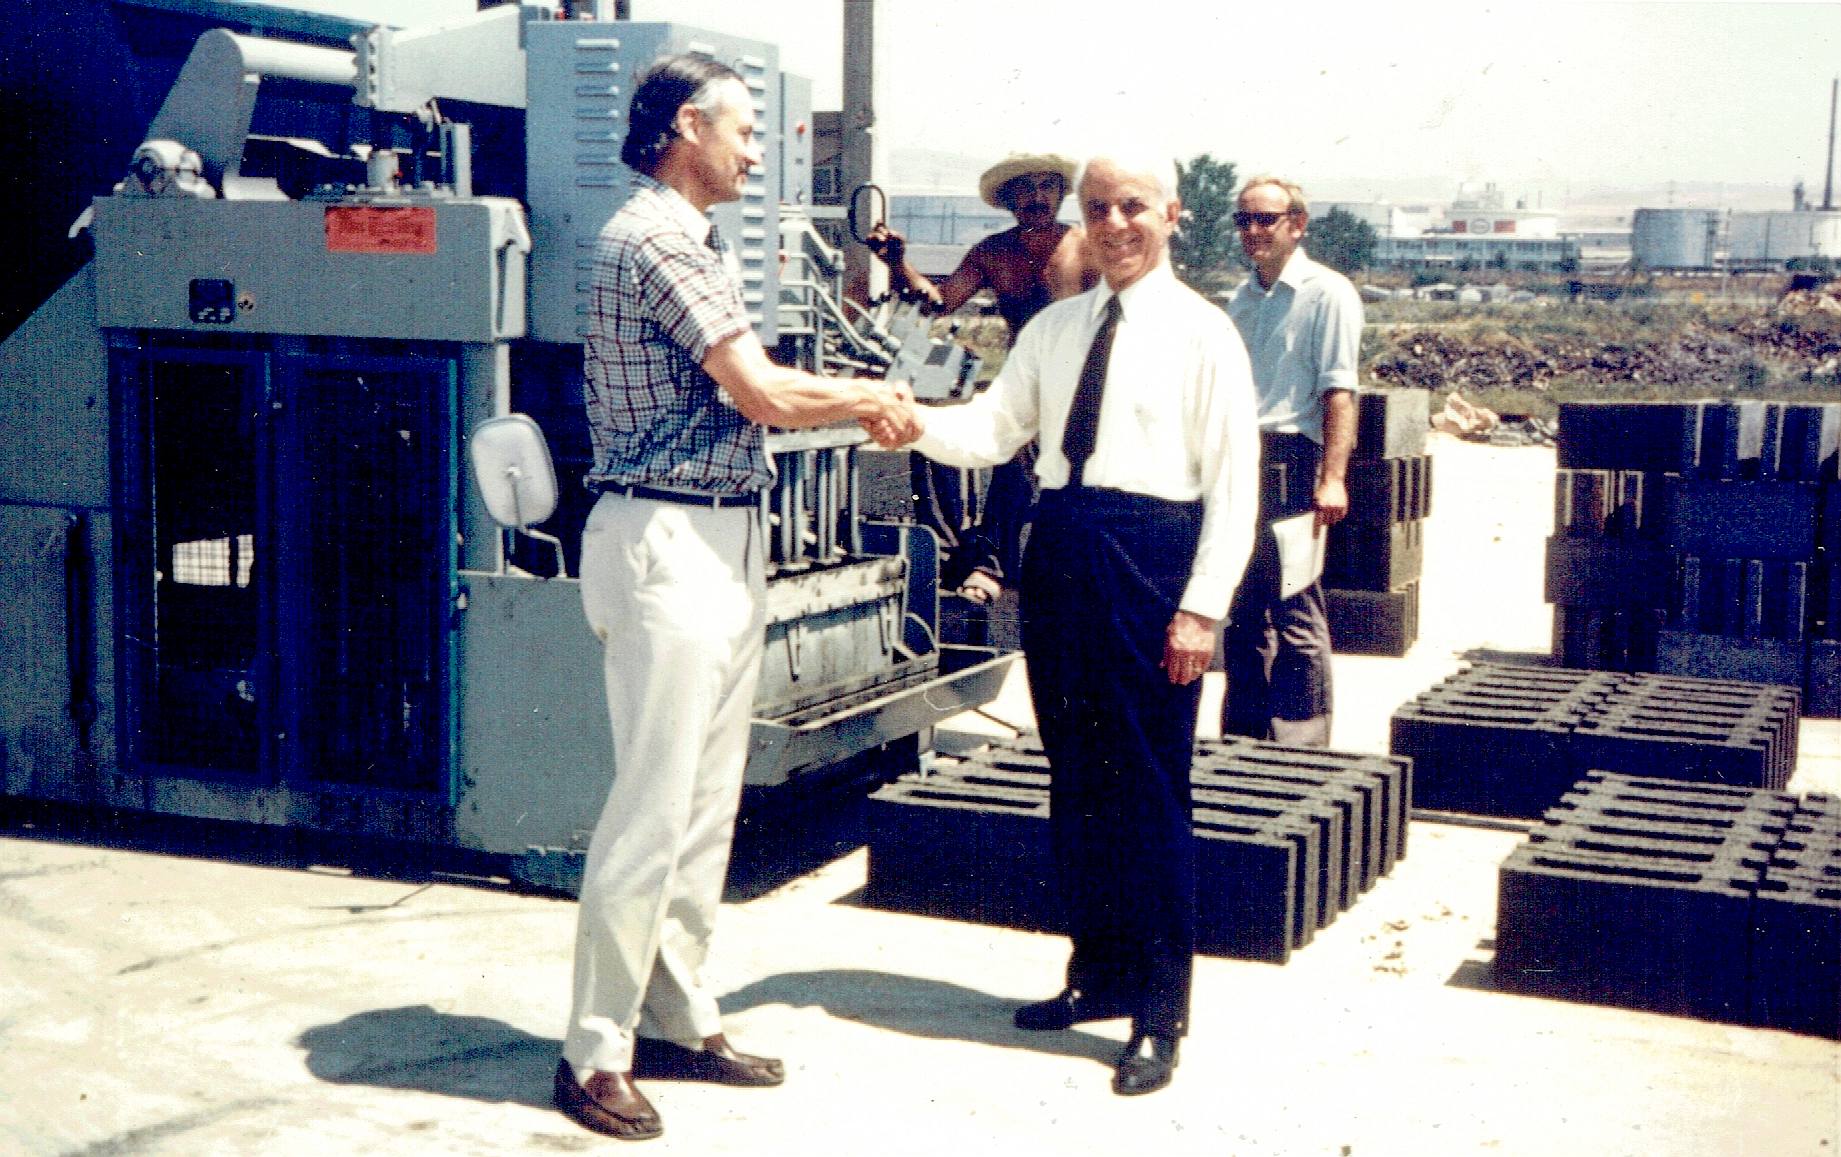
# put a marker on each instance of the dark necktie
(1083, 417)
(714, 240)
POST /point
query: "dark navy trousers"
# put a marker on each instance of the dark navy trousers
(1102, 577)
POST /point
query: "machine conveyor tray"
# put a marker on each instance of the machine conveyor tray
(784, 746)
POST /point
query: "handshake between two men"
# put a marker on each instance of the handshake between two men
(898, 422)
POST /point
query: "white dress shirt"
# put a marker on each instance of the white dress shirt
(1178, 419)
(1304, 336)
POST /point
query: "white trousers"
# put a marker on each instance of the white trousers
(676, 595)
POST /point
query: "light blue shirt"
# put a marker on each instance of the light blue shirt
(1304, 337)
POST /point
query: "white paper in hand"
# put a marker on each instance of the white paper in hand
(1300, 552)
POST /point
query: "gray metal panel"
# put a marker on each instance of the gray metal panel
(40, 755)
(54, 403)
(473, 58)
(578, 87)
(336, 19)
(149, 250)
(831, 625)
(534, 753)
(39, 752)
(795, 141)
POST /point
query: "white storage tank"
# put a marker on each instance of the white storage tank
(1674, 238)
(1776, 237)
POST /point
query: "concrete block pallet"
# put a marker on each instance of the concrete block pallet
(1509, 741)
(1287, 839)
(1716, 902)
(1701, 538)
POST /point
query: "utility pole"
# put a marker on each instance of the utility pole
(864, 276)
(1828, 184)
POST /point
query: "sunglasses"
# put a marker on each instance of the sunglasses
(1246, 220)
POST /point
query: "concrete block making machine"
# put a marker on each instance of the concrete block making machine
(245, 573)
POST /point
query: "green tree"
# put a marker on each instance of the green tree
(1205, 246)
(1342, 241)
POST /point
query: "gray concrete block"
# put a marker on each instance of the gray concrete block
(1607, 639)
(1822, 683)
(1774, 661)
(1392, 423)
(1810, 442)
(1374, 558)
(1608, 572)
(1732, 439)
(1582, 502)
(1649, 934)
(1740, 519)
(1656, 436)
(1373, 622)
(1389, 490)
(1795, 977)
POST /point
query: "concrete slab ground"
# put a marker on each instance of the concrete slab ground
(168, 1004)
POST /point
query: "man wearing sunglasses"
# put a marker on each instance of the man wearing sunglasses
(1037, 261)
(1302, 324)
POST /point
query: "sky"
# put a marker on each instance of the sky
(1540, 98)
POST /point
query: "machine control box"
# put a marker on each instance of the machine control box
(292, 267)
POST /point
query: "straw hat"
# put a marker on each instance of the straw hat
(1016, 165)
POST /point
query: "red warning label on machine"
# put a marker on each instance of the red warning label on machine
(380, 228)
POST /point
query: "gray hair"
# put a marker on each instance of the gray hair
(668, 84)
(1138, 162)
(1298, 207)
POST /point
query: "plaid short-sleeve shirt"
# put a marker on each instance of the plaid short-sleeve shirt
(660, 300)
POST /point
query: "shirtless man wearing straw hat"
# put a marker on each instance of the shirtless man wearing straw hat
(1039, 260)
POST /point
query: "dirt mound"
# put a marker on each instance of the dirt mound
(1805, 325)
(1797, 339)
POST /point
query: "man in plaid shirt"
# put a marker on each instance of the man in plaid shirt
(679, 392)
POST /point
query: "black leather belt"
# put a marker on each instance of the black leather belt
(682, 497)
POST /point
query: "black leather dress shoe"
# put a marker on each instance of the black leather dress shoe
(716, 1062)
(608, 1103)
(1146, 1065)
(1069, 1007)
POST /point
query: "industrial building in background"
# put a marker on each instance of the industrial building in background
(296, 253)
(1478, 230)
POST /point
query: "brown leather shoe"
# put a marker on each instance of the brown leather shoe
(716, 1062)
(609, 1103)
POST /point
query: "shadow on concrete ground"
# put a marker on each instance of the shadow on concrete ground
(481, 1059)
(417, 1047)
(915, 1006)
(1509, 658)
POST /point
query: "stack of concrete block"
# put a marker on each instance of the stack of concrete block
(1509, 741)
(1286, 839)
(1694, 899)
(1701, 538)
(1608, 576)
(1374, 557)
